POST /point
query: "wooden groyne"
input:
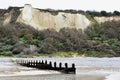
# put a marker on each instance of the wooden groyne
(44, 64)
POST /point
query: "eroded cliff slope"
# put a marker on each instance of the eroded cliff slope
(44, 20)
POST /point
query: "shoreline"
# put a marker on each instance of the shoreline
(88, 68)
(29, 73)
(56, 77)
(8, 67)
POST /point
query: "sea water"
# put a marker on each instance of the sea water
(87, 68)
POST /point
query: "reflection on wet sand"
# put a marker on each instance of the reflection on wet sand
(87, 69)
(56, 77)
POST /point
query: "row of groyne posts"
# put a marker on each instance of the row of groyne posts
(44, 64)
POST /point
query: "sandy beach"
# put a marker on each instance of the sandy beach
(54, 77)
(87, 69)
(8, 67)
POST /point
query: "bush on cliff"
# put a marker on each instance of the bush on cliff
(97, 39)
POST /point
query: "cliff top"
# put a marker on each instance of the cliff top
(92, 13)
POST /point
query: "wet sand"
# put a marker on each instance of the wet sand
(55, 77)
(8, 67)
(87, 69)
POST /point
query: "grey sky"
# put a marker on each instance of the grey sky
(97, 5)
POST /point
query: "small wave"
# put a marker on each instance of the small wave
(114, 76)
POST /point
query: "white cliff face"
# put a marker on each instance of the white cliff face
(7, 20)
(43, 20)
(8, 17)
(27, 13)
(104, 19)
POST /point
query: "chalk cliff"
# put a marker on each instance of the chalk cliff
(104, 19)
(43, 20)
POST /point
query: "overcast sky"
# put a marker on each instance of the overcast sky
(97, 5)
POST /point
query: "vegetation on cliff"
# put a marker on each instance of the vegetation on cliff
(97, 40)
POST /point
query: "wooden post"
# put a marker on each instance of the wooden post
(42, 62)
(73, 65)
(66, 65)
(55, 65)
(36, 62)
(60, 65)
(45, 61)
(50, 63)
(45, 65)
(29, 63)
(73, 68)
